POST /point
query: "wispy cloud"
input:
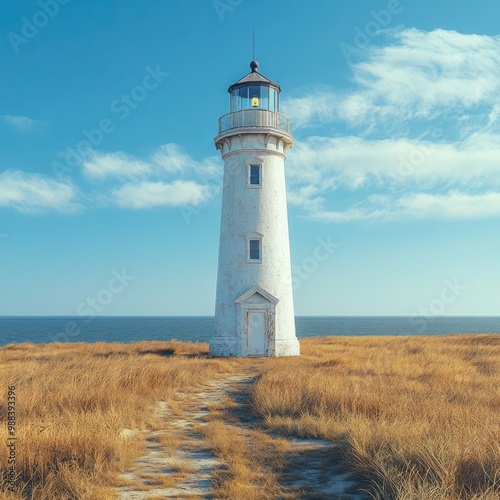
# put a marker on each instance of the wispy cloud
(428, 71)
(22, 124)
(28, 192)
(168, 160)
(319, 166)
(354, 162)
(423, 119)
(170, 177)
(161, 194)
(452, 205)
(416, 75)
(314, 107)
(98, 165)
(173, 159)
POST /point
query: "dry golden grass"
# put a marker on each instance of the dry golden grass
(251, 460)
(169, 442)
(420, 414)
(156, 480)
(182, 467)
(74, 399)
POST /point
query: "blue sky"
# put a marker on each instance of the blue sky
(109, 179)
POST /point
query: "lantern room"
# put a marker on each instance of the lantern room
(254, 91)
(254, 103)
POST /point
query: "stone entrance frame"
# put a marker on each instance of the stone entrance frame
(261, 304)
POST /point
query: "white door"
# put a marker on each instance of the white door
(256, 333)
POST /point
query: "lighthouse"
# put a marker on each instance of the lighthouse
(254, 312)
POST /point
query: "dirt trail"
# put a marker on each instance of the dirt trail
(178, 463)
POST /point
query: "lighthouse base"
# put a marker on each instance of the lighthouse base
(288, 347)
(226, 347)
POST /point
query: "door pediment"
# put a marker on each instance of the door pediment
(257, 295)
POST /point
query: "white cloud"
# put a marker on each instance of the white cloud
(425, 106)
(21, 123)
(353, 162)
(170, 177)
(317, 107)
(173, 159)
(169, 159)
(319, 168)
(99, 165)
(423, 71)
(157, 194)
(416, 75)
(33, 192)
(452, 205)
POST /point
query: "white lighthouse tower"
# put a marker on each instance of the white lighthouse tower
(254, 314)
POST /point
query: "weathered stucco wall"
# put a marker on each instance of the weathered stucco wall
(246, 211)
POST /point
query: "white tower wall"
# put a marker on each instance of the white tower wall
(250, 211)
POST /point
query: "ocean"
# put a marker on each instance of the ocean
(46, 329)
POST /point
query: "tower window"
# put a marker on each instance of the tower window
(254, 173)
(255, 250)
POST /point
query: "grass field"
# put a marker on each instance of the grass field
(73, 400)
(419, 416)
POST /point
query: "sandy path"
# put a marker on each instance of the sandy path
(185, 469)
(192, 453)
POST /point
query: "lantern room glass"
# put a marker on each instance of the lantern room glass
(254, 97)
